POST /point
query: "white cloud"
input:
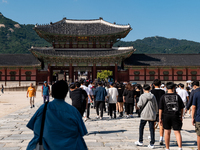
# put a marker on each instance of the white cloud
(4, 1)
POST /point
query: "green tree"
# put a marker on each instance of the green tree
(104, 74)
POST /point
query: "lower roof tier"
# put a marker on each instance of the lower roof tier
(86, 55)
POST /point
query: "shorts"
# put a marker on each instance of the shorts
(170, 122)
(197, 128)
(31, 98)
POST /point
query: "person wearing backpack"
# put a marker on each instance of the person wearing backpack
(45, 92)
(148, 110)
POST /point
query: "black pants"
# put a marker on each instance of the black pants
(100, 104)
(81, 110)
(129, 108)
(112, 107)
(88, 110)
(151, 128)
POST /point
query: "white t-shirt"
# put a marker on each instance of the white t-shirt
(88, 91)
(183, 94)
(112, 93)
(177, 89)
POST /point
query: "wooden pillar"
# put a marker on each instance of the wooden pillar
(145, 78)
(173, 74)
(76, 75)
(116, 70)
(19, 76)
(70, 73)
(88, 75)
(186, 74)
(36, 76)
(5, 75)
(49, 72)
(64, 75)
(94, 72)
(159, 73)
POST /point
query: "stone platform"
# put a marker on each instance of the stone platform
(106, 134)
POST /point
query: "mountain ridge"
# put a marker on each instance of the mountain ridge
(17, 38)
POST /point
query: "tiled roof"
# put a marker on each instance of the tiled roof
(83, 27)
(163, 60)
(18, 60)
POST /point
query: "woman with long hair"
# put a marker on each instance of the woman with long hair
(128, 97)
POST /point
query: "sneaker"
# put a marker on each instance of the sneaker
(149, 137)
(101, 118)
(110, 117)
(33, 105)
(131, 116)
(161, 142)
(138, 143)
(151, 146)
(127, 116)
(85, 119)
(97, 117)
(189, 115)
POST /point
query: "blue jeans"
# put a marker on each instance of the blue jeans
(46, 97)
(151, 128)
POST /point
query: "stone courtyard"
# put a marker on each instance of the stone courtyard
(106, 134)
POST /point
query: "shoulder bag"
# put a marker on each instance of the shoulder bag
(39, 145)
(141, 109)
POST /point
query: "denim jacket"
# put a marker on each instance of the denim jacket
(100, 93)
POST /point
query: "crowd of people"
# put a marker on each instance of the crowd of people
(159, 104)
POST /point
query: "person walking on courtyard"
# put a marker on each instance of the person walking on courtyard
(128, 97)
(79, 97)
(171, 107)
(45, 92)
(196, 88)
(148, 104)
(157, 92)
(120, 99)
(196, 116)
(100, 94)
(138, 91)
(63, 125)
(112, 99)
(2, 88)
(184, 95)
(31, 93)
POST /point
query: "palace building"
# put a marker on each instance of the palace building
(87, 46)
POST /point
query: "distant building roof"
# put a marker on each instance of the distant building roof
(18, 60)
(83, 27)
(163, 60)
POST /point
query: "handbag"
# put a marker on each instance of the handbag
(140, 110)
(39, 145)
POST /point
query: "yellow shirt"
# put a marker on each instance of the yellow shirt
(31, 91)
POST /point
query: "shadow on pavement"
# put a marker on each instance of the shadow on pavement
(106, 132)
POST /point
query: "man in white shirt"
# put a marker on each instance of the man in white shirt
(183, 94)
(112, 99)
(90, 94)
(178, 88)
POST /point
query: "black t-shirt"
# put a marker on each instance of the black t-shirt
(77, 97)
(120, 95)
(171, 104)
(158, 94)
(129, 96)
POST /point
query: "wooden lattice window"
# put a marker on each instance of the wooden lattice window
(193, 73)
(179, 72)
(137, 78)
(136, 73)
(28, 75)
(166, 72)
(152, 73)
(166, 75)
(12, 75)
(166, 78)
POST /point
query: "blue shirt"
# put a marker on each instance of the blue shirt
(100, 93)
(45, 90)
(196, 102)
(63, 129)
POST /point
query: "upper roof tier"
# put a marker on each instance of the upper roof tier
(83, 28)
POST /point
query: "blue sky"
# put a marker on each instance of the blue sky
(168, 18)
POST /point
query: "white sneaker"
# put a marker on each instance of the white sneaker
(149, 137)
(97, 117)
(85, 119)
(138, 143)
(101, 118)
(151, 146)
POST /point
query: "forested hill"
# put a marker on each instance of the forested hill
(156, 45)
(18, 38)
